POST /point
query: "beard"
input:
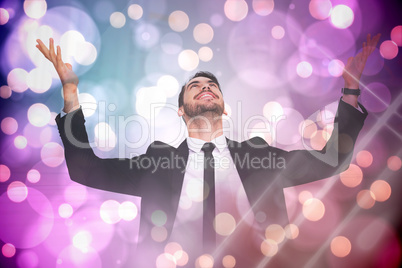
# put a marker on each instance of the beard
(193, 110)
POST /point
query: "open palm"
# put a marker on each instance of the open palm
(355, 65)
(64, 70)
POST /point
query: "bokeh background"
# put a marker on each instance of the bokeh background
(279, 64)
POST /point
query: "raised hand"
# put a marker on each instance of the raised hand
(64, 70)
(355, 65)
(68, 78)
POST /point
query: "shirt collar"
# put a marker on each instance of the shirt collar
(195, 144)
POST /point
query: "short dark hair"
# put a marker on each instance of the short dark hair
(198, 74)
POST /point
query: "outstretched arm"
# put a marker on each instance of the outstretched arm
(68, 78)
(355, 66)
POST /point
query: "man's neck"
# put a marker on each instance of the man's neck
(205, 127)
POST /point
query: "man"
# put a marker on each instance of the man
(231, 193)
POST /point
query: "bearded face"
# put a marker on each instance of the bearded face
(202, 97)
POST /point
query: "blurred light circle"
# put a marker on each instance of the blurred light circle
(278, 32)
(87, 54)
(342, 16)
(38, 115)
(33, 176)
(117, 19)
(178, 21)
(20, 142)
(149, 101)
(396, 35)
(159, 233)
(335, 68)
(263, 7)
(364, 158)
(204, 261)
(105, 138)
(135, 12)
(28, 259)
(188, 60)
(65, 210)
(39, 80)
(82, 240)
(35, 9)
(320, 9)
(165, 260)
(5, 173)
(52, 154)
(17, 80)
(388, 49)
(8, 250)
(171, 43)
(304, 69)
(109, 211)
(275, 232)
(169, 85)
(205, 54)
(381, 190)
(308, 129)
(17, 191)
(9, 125)
(291, 231)
(216, 20)
(352, 177)
(146, 35)
(70, 43)
(394, 163)
(273, 111)
(376, 97)
(81, 253)
(88, 104)
(203, 33)
(313, 209)
(4, 16)
(128, 211)
(158, 218)
(229, 261)
(269, 248)
(236, 10)
(224, 224)
(304, 196)
(365, 199)
(340, 246)
(5, 92)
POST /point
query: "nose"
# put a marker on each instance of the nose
(205, 87)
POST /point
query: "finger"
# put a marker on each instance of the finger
(59, 61)
(51, 51)
(42, 48)
(69, 66)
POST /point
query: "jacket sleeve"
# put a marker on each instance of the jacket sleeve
(303, 166)
(84, 167)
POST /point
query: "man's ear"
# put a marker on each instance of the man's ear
(224, 112)
(180, 112)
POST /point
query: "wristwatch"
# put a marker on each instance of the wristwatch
(348, 91)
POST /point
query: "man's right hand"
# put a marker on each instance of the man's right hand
(68, 78)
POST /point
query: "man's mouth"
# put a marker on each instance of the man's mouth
(205, 95)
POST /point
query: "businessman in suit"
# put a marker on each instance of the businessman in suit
(179, 202)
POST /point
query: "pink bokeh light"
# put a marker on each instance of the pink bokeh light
(396, 35)
(388, 49)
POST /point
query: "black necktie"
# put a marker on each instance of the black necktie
(209, 235)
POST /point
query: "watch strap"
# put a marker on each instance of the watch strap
(348, 91)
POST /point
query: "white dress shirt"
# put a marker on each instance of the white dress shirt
(231, 203)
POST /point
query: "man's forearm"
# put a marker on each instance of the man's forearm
(70, 95)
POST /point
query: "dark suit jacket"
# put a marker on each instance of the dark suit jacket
(160, 190)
